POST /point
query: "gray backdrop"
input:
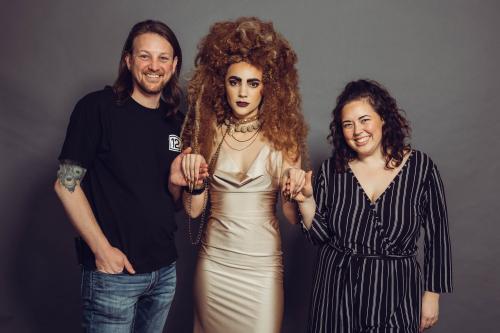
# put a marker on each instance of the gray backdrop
(439, 58)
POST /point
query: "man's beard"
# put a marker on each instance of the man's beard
(145, 89)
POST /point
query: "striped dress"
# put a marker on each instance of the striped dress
(367, 278)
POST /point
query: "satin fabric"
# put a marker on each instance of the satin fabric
(239, 273)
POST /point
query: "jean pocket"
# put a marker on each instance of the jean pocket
(110, 274)
(102, 281)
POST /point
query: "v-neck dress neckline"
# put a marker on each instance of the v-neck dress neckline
(252, 164)
(391, 184)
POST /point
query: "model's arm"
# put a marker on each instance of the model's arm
(194, 204)
(190, 171)
(296, 189)
(108, 259)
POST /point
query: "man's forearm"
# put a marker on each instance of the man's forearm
(76, 205)
(175, 192)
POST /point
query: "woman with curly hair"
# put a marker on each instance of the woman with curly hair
(372, 197)
(244, 119)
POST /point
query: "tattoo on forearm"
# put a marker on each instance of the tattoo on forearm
(70, 175)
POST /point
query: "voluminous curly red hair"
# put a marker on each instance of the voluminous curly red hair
(250, 40)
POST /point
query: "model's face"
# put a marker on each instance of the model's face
(244, 89)
(362, 128)
(151, 63)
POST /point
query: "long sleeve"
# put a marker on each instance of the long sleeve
(318, 233)
(437, 248)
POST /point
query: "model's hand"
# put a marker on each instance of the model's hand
(194, 168)
(297, 185)
(177, 173)
(112, 261)
(430, 310)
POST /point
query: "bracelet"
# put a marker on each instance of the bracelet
(196, 191)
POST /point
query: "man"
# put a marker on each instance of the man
(114, 184)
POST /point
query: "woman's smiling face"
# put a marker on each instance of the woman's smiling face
(362, 127)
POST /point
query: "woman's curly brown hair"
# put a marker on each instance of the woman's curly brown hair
(250, 40)
(395, 131)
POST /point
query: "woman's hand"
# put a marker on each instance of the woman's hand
(194, 169)
(188, 169)
(430, 310)
(297, 185)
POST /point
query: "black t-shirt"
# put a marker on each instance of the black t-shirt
(127, 150)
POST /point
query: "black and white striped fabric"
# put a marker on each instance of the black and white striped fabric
(367, 278)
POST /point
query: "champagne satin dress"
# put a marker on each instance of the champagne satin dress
(239, 274)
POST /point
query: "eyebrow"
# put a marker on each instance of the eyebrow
(348, 121)
(163, 53)
(234, 77)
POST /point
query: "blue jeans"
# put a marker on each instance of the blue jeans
(119, 303)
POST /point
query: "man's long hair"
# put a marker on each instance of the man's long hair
(123, 85)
